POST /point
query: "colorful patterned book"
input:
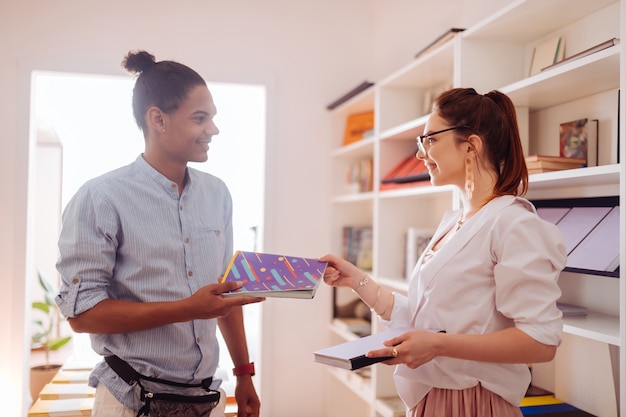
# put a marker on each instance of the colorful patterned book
(270, 275)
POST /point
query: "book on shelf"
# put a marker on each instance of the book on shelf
(416, 241)
(272, 275)
(549, 407)
(351, 355)
(599, 250)
(546, 54)
(409, 172)
(579, 139)
(439, 41)
(596, 48)
(356, 125)
(546, 163)
(570, 310)
(358, 245)
(359, 176)
(352, 93)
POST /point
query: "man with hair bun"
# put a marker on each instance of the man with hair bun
(141, 251)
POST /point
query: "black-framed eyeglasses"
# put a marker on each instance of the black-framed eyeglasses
(421, 138)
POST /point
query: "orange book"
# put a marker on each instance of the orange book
(356, 125)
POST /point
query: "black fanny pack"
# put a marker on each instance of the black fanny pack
(166, 404)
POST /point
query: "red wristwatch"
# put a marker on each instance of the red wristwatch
(245, 369)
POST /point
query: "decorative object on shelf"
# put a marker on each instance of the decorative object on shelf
(408, 173)
(357, 125)
(546, 54)
(270, 275)
(442, 39)
(546, 163)
(596, 48)
(352, 93)
(416, 241)
(579, 139)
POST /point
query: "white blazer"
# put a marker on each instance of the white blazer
(499, 270)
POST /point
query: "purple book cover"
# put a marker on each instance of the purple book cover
(270, 275)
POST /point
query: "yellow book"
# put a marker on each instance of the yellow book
(62, 408)
(540, 400)
(66, 391)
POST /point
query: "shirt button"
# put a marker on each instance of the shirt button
(186, 240)
(173, 185)
(217, 232)
(198, 340)
(180, 207)
(190, 273)
(75, 280)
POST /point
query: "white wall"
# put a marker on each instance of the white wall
(306, 52)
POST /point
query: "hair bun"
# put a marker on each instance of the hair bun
(138, 61)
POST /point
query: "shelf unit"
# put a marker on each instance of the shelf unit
(496, 53)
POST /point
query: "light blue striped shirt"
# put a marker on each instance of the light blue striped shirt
(127, 235)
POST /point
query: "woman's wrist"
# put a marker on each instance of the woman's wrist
(362, 283)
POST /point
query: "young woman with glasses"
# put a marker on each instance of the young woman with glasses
(487, 280)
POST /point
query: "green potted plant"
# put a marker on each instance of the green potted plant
(46, 336)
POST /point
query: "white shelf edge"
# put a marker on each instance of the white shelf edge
(595, 326)
(354, 198)
(356, 148)
(605, 174)
(422, 190)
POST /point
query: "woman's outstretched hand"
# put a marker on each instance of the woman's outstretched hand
(341, 273)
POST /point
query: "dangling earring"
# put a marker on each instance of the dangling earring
(469, 178)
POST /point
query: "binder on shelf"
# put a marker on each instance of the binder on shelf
(445, 37)
(352, 93)
(578, 222)
(599, 250)
(596, 48)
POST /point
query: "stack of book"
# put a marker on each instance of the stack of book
(546, 163)
(408, 173)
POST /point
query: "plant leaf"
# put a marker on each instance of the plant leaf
(55, 344)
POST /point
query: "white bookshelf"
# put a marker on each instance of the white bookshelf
(496, 54)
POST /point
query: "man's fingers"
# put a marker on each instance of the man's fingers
(227, 286)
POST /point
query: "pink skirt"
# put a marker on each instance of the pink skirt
(471, 402)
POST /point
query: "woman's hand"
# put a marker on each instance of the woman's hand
(341, 273)
(413, 348)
